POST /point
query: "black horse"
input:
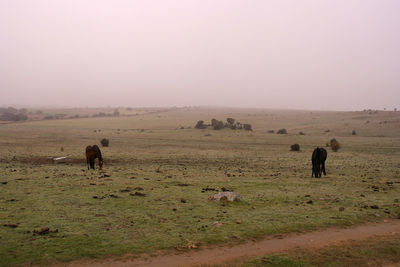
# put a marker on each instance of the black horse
(318, 162)
(93, 152)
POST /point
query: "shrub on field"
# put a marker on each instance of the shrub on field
(104, 142)
(230, 123)
(216, 124)
(247, 127)
(200, 125)
(271, 131)
(301, 133)
(335, 145)
(353, 132)
(282, 131)
(295, 147)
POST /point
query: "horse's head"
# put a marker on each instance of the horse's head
(101, 164)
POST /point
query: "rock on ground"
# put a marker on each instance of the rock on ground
(230, 196)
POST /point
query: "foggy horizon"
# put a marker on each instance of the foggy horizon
(308, 55)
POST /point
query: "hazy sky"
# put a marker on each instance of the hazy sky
(308, 54)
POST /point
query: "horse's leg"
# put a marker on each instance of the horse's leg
(323, 167)
(320, 171)
(87, 162)
(313, 173)
(92, 163)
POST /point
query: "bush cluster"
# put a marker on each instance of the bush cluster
(230, 123)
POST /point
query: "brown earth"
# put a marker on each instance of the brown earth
(225, 254)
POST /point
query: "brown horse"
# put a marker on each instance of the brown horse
(93, 152)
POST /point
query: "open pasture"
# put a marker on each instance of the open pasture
(159, 172)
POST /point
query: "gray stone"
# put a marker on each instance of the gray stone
(230, 196)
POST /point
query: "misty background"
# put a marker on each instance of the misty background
(310, 54)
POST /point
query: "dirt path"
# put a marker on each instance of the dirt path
(218, 255)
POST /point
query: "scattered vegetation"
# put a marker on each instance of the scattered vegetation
(353, 132)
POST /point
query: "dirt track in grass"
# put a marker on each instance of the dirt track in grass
(272, 244)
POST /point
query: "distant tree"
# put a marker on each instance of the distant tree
(116, 113)
(353, 132)
(200, 125)
(230, 120)
(8, 116)
(217, 125)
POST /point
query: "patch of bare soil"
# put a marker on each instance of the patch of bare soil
(224, 254)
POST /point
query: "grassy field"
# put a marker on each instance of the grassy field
(372, 252)
(159, 172)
